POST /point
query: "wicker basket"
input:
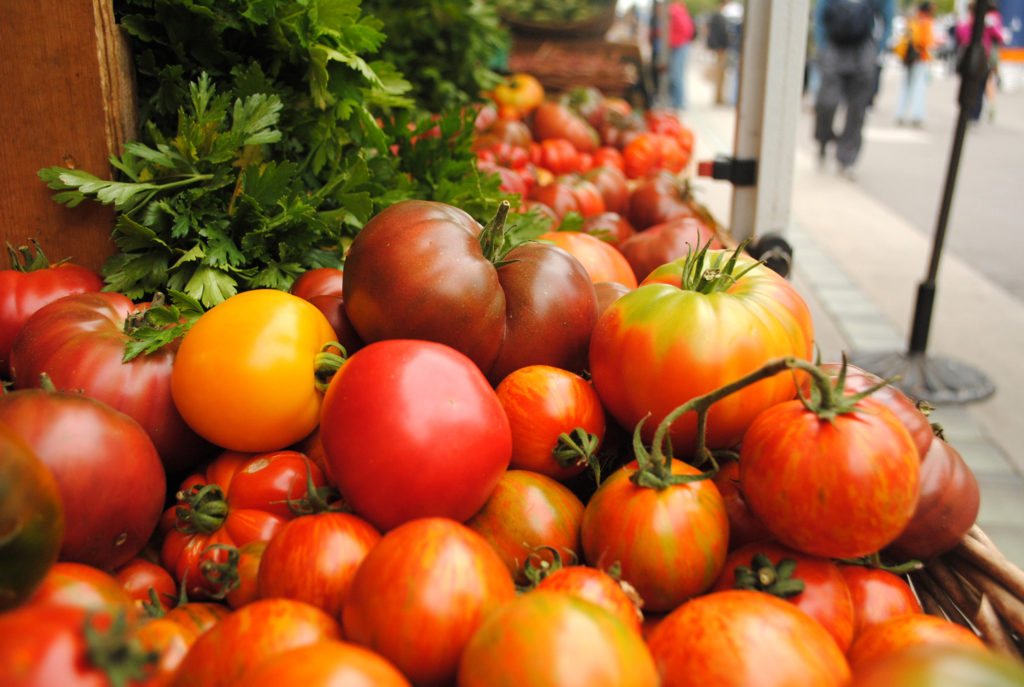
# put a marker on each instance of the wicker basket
(595, 26)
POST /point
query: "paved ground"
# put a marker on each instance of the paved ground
(858, 265)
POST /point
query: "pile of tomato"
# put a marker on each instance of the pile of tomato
(453, 463)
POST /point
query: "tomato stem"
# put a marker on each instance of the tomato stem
(204, 509)
(113, 651)
(493, 237)
(764, 576)
(578, 448)
(327, 363)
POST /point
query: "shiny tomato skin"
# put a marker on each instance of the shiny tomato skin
(659, 198)
(607, 293)
(601, 260)
(333, 308)
(251, 634)
(825, 596)
(108, 471)
(611, 183)
(768, 642)
(421, 593)
(901, 632)
(77, 585)
(651, 248)
(941, 666)
(139, 575)
(412, 428)
(610, 227)
(670, 544)
(31, 519)
(330, 663)
(171, 636)
(877, 595)
(543, 402)
(528, 510)
(559, 156)
(599, 587)
(319, 281)
(24, 292)
(314, 558)
(79, 341)
(661, 345)
(243, 376)
(650, 152)
(554, 639)
(840, 488)
(744, 526)
(557, 195)
(552, 119)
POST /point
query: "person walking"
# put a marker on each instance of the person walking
(718, 44)
(992, 36)
(680, 34)
(914, 49)
(849, 34)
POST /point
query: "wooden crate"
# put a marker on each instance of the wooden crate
(68, 100)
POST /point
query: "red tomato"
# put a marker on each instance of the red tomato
(319, 281)
(554, 639)
(840, 487)
(512, 132)
(552, 119)
(675, 338)
(314, 559)
(421, 593)
(80, 340)
(651, 152)
(333, 308)
(145, 581)
(601, 260)
(670, 543)
(647, 250)
(543, 403)
(825, 596)
(525, 512)
(76, 585)
(556, 195)
(588, 195)
(171, 635)
(558, 156)
(658, 199)
(668, 123)
(598, 587)
(609, 156)
(511, 181)
(901, 632)
(767, 641)
(110, 477)
(31, 283)
(250, 635)
(330, 663)
(612, 185)
(412, 428)
(239, 498)
(240, 573)
(31, 519)
(744, 526)
(877, 596)
(610, 227)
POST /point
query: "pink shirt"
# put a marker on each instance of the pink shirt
(680, 25)
(993, 31)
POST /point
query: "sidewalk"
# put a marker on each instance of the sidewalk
(858, 266)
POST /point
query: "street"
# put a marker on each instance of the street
(905, 168)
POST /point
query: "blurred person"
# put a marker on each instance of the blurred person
(680, 34)
(718, 43)
(851, 35)
(656, 33)
(992, 36)
(915, 50)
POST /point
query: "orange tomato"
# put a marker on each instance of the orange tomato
(601, 260)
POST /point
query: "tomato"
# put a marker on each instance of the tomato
(244, 374)
(110, 477)
(901, 632)
(658, 199)
(598, 587)
(670, 543)
(330, 663)
(556, 195)
(239, 498)
(877, 596)
(421, 593)
(745, 638)
(676, 337)
(542, 403)
(147, 582)
(744, 526)
(510, 131)
(552, 119)
(80, 340)
(554, 639)
(609, 157)
(512, 182)
(504, 155)
(249, 635)
(601, 260)
(667, 122)
(31, 283)
(518, 94)
(172, 635)
(417, 271)
(940, 666)
(241, 571)
(838, 486)
(647, 250)
(651, 152)
(333, 308)
(823, 593)
(525, 512)
(610, 227)
(318, 281)
(314, 558)
(412, 428)
(76, 585)
(31, 519)
(558, 155)
(948, 502)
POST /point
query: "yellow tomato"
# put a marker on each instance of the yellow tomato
(243, 376)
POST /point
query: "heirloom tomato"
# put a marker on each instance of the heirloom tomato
(110, 477)
(904, 631)
(147, 582)
(610, 227)
(77, 585)
(608, 292)
(692, 326)
(609, 157)
(330, 663)
(244, 375)
(238, 499)
(417, 270)
(744, 638)
(651, 152)
(661, 197)
(552, 119)
(941, 666)
(421, 593)
(834, 482)
(319, 281)
(171, 635)
(510, 131)
(554, 639)
(31, 519)
(412, 428)
(80, 341)
(558, 156)
(251, 634)
(556, 418)
(558, 196)
(651, 248)
(877, 596)
(598, 587)
(518, 95)
(601, 260)
(527, 515)
(31, 283)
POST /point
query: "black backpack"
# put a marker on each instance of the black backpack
(848, 22)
